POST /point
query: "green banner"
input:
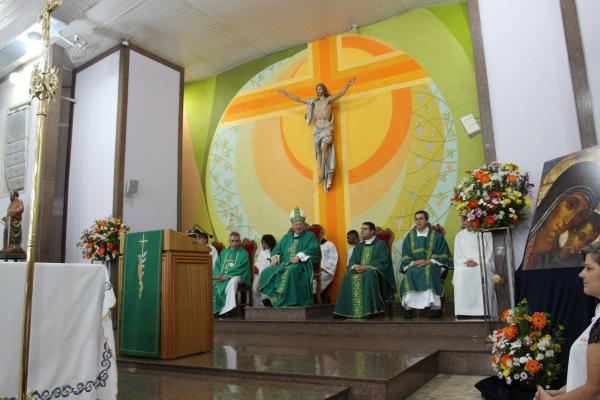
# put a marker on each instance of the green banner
(140, 303)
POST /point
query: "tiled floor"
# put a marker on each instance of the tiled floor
(449, 387)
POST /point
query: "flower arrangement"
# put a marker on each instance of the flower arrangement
(526, 349)
(493, 196)
(101, 240)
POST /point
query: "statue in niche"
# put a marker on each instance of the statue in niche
(319, 113)
(13, 232)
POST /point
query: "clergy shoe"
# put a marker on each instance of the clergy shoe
(267, 302)
(435, 314)
(336, 316)
(408, 314)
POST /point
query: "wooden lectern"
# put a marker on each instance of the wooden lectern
(186, 320)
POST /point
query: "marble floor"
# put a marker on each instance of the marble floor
(449, 387)
(299, 360)
(147, 384)
(140, 383)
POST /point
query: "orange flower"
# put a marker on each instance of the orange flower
(512, 179)
(101, 250)
(98, 230)
(109, 246)
(489, 220)
(90, 244)
(532, 366)
(475, 223)
(485, 178)
(506, 361)
(496, 194)
(505, 315)
(538, 320)
(510, 332)
(494, 359)
(473, 203)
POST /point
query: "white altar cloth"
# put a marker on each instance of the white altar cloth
(72, 342)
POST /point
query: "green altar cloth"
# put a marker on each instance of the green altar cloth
(141, 293)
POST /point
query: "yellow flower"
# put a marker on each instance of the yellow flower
(506, 372)
(527, 200)
(507, 201)
(519, 201)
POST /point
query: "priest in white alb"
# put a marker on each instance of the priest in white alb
(467, 279)
(329, 259)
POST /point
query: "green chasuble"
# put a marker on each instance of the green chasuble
(288, 284)
(432, 247)
(230, 263)
(365, 293)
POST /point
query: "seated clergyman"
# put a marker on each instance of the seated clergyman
(231, 270)
(369, 282)
(425, 255)
(288, 280)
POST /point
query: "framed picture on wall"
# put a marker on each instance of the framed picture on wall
(567, 214)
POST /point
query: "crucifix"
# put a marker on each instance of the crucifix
(319, 112)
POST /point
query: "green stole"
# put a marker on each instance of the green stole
(287, 284)
(420, 279)
(230, 263)
(366, 293)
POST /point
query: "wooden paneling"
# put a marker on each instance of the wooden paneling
(178, 241)
(186, 304)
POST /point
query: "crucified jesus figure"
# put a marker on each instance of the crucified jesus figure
(319, 113)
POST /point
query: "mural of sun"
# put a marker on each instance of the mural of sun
(394, 135)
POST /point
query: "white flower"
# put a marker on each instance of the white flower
(508, 380)
(550, 353)
(539, 357)
(516, 376)
(523, 360)
(523, 375)
(516, 344)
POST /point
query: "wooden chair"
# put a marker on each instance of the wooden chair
(250, 247)
(388, 236)
(316, 229)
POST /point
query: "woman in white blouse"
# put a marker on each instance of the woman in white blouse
(263, 260)
(583, 373)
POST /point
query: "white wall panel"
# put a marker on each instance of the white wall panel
(91, 173)
(531, 94)
(151, 150)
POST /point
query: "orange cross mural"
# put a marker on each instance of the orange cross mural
(388, 67)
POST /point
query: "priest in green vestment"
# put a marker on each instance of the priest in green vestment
(288, 280)
(425, 256)
(369, 282)
(231, 270)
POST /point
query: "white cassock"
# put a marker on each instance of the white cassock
(350, 251)
(468, 290)
(214, 254)
(329, 259)
(263, 259)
